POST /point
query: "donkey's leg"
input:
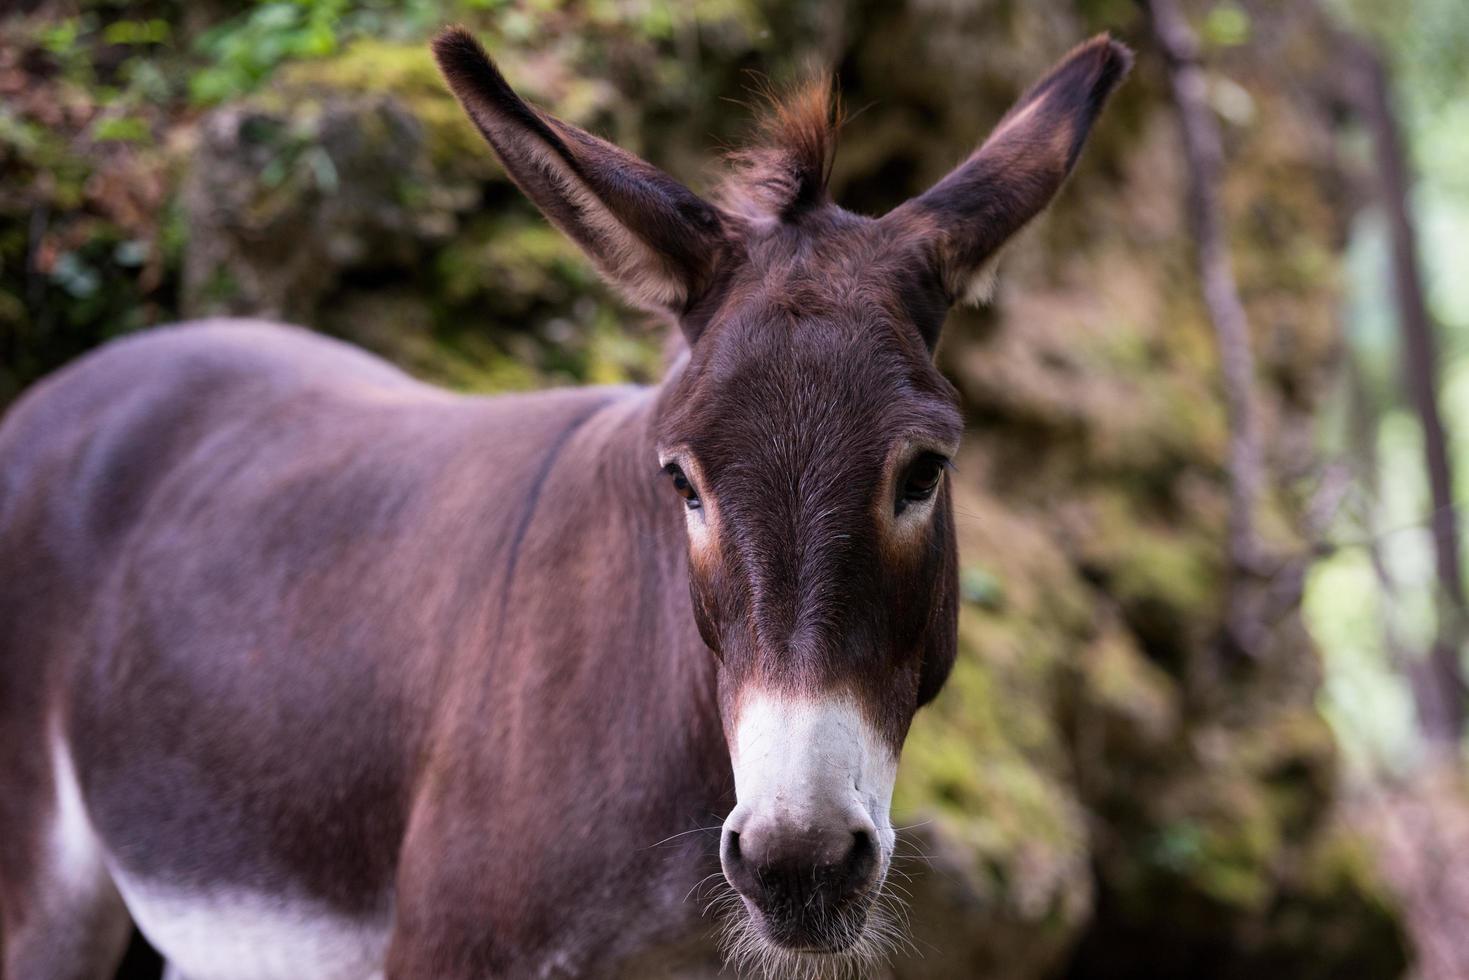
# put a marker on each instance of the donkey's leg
(441, 927)
(83, 939)
(453, 919)
(63, 919)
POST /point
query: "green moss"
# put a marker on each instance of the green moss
(1340, 864)
(478, 369)
(406, 72)
(1131, 698)
(510, 262)
(1235, 867)
(1165, 576)
(1292, 756)
(985, 763)
(616, 356)
(1161, 565)
(1209, 857)
(1335, 910)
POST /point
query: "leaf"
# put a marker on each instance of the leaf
(1227, 25)
(121, 129)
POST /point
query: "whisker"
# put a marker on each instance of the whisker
(682, 833)
(913, 826)
(700, 883)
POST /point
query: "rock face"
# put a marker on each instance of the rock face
(1098, 793)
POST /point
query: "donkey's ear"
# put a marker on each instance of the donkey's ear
(1012, 177)
(651, 236)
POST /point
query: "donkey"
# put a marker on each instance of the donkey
(308, 669)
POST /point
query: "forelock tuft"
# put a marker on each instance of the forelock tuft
(783, 170)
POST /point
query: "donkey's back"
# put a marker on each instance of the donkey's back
(257, 414)
(224, 612)
(111, 426)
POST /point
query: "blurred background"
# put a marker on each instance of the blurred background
(1209, 711)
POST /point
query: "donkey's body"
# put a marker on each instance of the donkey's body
(258, 587)
(313, 670)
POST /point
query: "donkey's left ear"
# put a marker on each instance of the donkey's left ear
(652, 237)
(1012, 177)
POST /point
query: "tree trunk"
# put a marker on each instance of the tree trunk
(1441, 701)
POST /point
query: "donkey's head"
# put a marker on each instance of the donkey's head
(806, 435)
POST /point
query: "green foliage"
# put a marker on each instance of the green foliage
(405, 72)
(243, 52)
(1227, 25)
(138, 32)
(61, 39)
(121, 129)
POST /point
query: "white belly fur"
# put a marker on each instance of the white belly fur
(236, 935)
(216, 934)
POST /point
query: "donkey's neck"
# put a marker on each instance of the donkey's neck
(592, 616)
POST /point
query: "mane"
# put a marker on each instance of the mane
(783, 169)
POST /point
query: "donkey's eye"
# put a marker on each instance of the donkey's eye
(922, 479)
(682, 486)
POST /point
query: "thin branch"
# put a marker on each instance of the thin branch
(1204, 153)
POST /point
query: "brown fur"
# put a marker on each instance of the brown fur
(313, 631)
(785, 168)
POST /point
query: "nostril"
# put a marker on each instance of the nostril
(737, 869)
(785, 865)
(861, 861)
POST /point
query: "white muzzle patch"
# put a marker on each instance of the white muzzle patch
(806, 762)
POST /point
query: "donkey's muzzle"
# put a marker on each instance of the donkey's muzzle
(811, 885)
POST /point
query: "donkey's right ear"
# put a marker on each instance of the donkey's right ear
(659, 242)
